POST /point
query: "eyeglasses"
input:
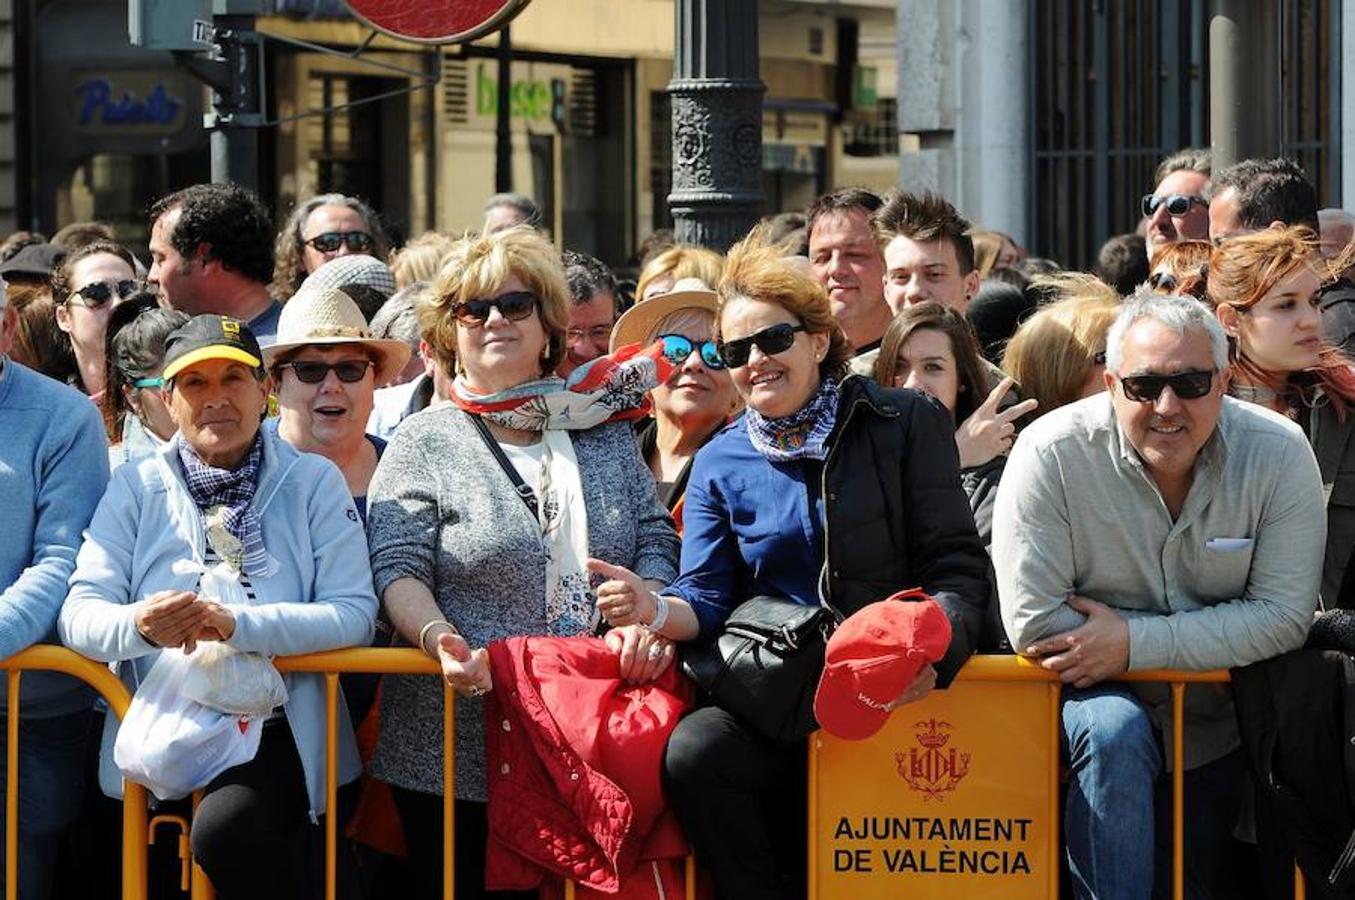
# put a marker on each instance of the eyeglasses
(513, 306)
(677, 348)
(1185, 385)
(1162, 281)
(1177, 204)
(330, 241)
(97, 293)
(156, 382)
(771, 341)
(310, 372)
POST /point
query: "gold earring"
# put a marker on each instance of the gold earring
(545, 351)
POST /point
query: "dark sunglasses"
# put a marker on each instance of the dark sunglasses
(1162, 281)
(98, 293)
(513, 306)
(677, 348)
(1177, 204)
(771, 341)
(309, 372)
(1185, 385)
(357, 241)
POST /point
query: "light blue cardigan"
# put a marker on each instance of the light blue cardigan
(320, 597)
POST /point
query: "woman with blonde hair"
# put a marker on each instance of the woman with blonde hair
(1058, 355)
(675, 264)
(419, 259)
(483, 511)
(1265, 290)
(829, 489)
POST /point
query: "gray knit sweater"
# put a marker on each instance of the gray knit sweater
(440, 509)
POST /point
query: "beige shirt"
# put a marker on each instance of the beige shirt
(1232, 581)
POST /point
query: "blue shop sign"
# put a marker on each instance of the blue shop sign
(137, 102)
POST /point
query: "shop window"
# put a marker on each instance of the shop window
(873, 133)
(118, 189)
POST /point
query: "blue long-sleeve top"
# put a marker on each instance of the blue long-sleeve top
(750, 527)
(53, 470)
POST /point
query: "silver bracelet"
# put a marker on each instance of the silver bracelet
(423, 634)
(661, 609)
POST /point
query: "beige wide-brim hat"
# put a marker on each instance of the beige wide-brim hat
(329, 317)
(638, 322)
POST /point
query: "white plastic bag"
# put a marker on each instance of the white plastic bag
(174, 745)
(223, 678)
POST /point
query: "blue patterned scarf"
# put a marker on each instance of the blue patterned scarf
(801, 435)
(230, 492)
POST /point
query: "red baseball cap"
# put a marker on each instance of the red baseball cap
(874, 654)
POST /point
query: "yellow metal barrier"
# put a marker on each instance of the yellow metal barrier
(137, 833)
(97, 676)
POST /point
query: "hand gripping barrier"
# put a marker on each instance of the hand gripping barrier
(979, 670)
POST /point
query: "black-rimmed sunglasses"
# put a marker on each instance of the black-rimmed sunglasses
(330, 241)
(96, 294)
(1177, 204)
(349, 371)
(1185, 385)
(513, 306)
(678, 347)
(771, 341)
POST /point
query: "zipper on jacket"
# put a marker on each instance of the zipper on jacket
(823, 492)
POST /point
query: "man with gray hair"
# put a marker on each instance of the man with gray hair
(1159, 525)
(504, 211)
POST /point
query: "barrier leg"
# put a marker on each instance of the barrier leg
(1178, 791)
(812, 867)
(448, 791)
(12, 785)
(1300, 884)
(1055, 737)
(331, 784)
(134, 880)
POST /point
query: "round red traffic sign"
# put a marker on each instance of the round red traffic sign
(436, 21)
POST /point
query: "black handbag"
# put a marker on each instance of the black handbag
(764, 666)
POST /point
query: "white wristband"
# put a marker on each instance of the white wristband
(660, 613)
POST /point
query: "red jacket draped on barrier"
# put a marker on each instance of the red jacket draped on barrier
(574, 757)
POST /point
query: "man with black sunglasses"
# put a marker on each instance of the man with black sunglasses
(212, 252)
(1160, 525)
(1178, 208)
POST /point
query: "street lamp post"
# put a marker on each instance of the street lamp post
(717, 122)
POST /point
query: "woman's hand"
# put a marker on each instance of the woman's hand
(921, 687)
(466, 670)
(218, 626)
(989, 433)
(643, 655)
(171, 618)
(624, 599)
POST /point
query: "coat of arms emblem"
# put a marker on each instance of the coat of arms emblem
(932, 768)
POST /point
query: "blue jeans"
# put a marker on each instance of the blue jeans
(1113, 760)
(1119, 805)
(51, 793)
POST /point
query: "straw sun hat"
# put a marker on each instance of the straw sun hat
(328, 317)
(638, 323)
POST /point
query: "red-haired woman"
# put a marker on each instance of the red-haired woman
(1264, 288)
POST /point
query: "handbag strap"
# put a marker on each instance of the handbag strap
(524, 491)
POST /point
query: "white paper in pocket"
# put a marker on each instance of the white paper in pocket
(1228, 545)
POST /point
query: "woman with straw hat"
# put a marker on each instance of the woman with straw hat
(326, 366)
(696, 400)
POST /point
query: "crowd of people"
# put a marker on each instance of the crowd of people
(559, 483)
